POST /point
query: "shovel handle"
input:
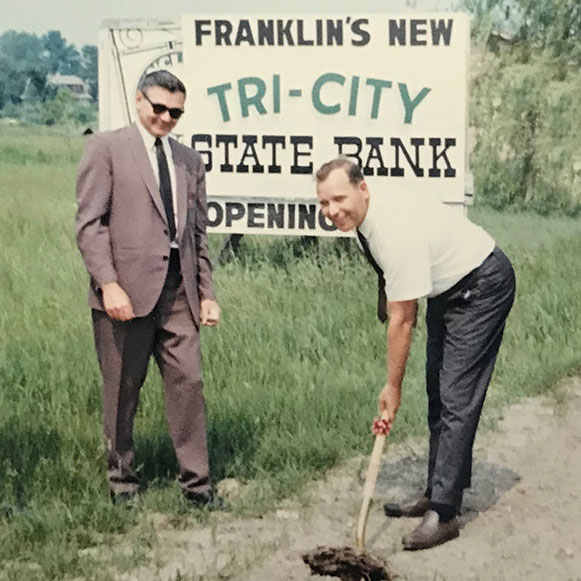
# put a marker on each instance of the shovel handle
(369, 487)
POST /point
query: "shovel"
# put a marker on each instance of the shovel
(344, 562)
(381, 430)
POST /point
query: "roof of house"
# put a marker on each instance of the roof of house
(58, 79)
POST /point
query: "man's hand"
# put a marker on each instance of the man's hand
(116, 302)
(209, 312)
(389, 401)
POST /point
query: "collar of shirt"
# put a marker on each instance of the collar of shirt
(149, 139)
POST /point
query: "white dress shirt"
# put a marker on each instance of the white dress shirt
(423, 246)
(149, 141)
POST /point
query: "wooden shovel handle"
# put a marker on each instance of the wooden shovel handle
(369, 487)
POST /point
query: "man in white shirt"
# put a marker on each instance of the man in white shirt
(141, 229)
(422, 248)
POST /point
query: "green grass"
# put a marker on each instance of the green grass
(291, 374)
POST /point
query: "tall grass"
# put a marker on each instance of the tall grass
(291, 374)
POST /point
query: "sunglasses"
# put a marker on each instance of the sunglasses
(159, 109)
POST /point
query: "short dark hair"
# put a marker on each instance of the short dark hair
(351, 169)
(163, 79)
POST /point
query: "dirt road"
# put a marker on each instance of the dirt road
(521, 520)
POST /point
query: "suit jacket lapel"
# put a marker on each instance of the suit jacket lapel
(181, 189)
(144, 166)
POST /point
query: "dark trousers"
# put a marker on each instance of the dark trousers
(124, 348)
(465, 326)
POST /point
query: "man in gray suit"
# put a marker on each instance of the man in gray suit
(141, 229)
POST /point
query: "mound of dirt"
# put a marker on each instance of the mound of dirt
(347, 564)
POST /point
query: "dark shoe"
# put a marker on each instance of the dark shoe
(431, 532)
(127, 499)
(417, 507)
(207, 500)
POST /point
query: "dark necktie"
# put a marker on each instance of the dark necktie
(165, 187)
(381, 296)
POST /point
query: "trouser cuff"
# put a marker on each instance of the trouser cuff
(445, 511)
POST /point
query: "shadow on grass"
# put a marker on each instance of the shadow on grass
(23, 449)
(232, 443)
(283, 251)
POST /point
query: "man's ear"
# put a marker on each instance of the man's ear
(363, 188)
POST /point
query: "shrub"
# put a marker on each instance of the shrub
(528, 151)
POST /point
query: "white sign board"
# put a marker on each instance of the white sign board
(271, 98)
(274, 97)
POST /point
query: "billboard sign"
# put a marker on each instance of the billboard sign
(271, 98)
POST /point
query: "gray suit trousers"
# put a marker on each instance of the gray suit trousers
(465, 327)
(170, 334)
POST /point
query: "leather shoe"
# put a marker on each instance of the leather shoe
(417, 507)
(208, 500)
(431, 532)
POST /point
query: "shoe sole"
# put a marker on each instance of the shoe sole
(395, 511)
(424, 546)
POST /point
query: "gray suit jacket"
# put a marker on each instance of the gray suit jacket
(121, 226)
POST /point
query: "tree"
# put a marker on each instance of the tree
(525, 105)
(89, 69)
(20, 59)
(25, 62)
(554, 25)
(551, 25)
(60, 56)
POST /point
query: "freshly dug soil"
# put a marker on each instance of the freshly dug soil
(347, 564)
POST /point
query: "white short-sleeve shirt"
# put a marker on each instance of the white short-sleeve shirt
(423, 246)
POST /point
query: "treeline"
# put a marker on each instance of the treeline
(526, 83)
(28, 61)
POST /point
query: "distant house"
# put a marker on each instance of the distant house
(74, 84)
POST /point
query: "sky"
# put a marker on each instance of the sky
(79, 20)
